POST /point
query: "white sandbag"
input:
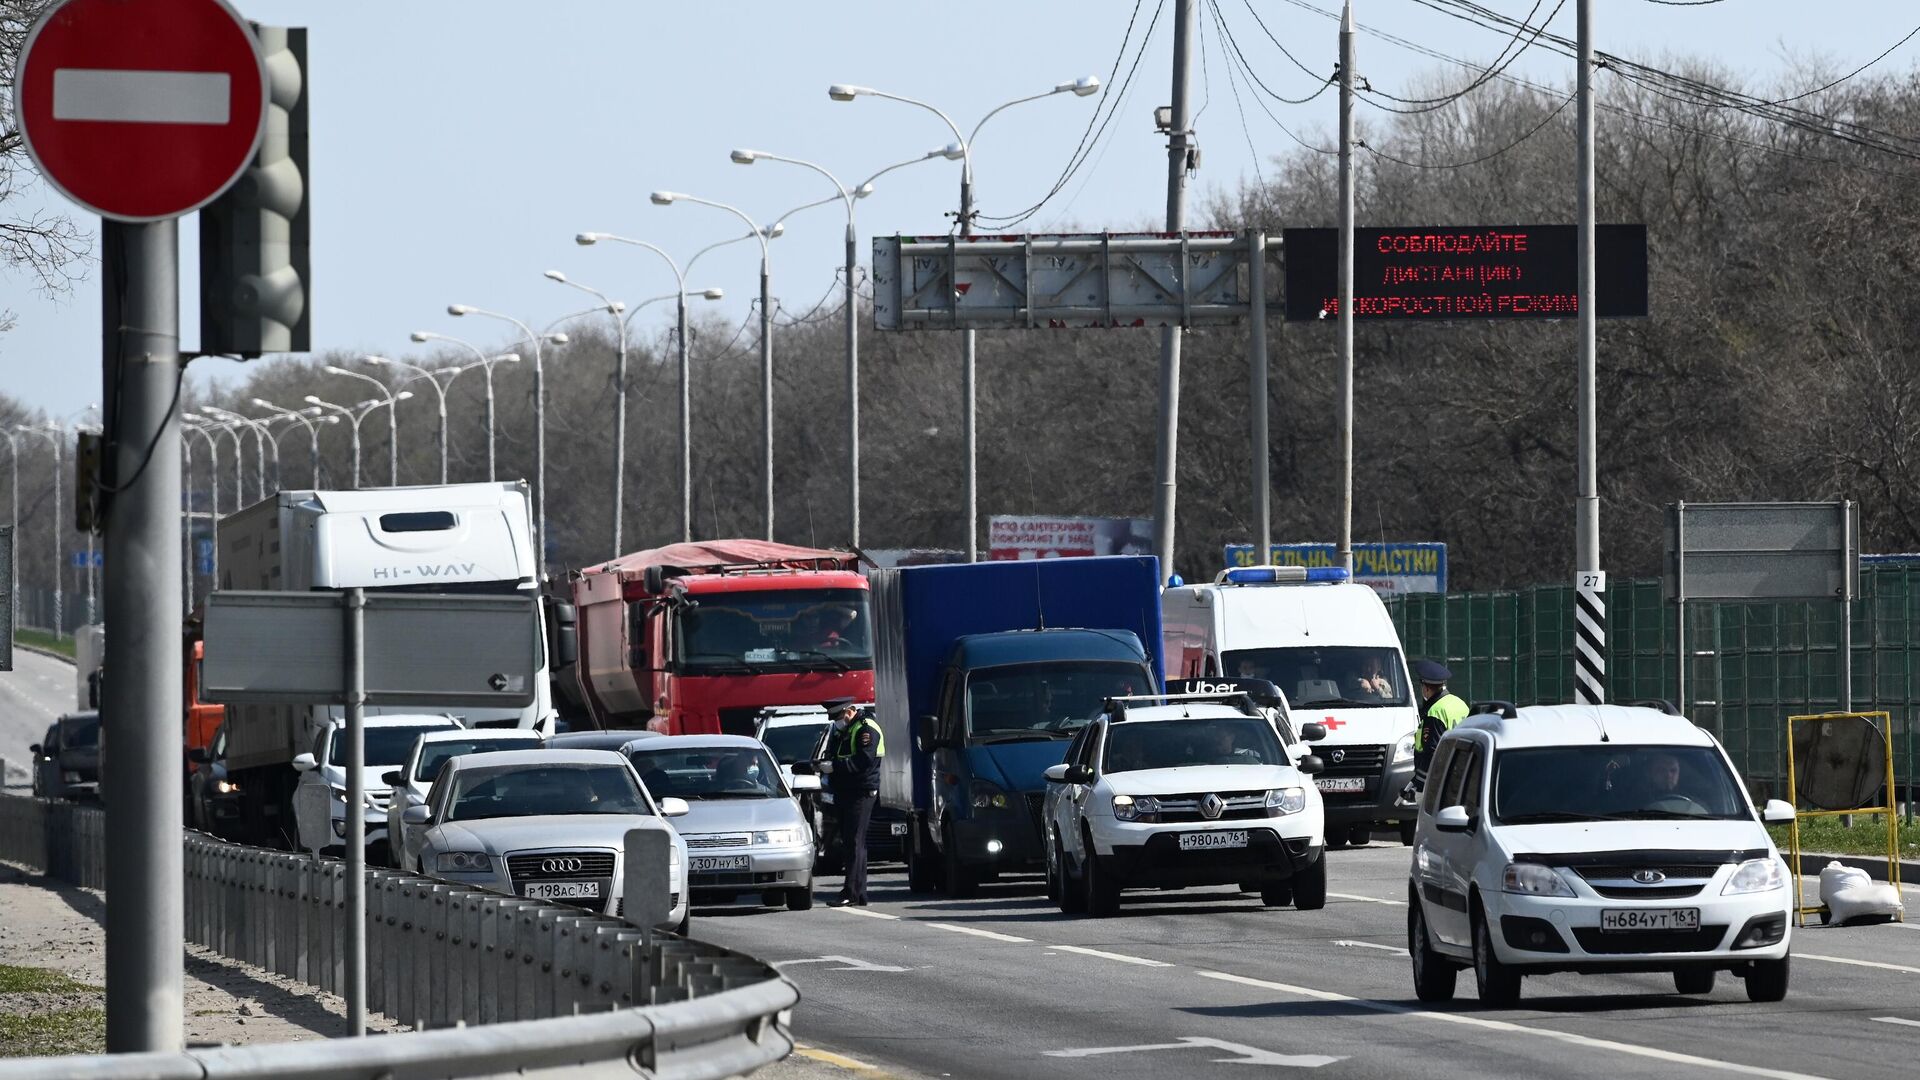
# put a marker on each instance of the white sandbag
(1853, 898)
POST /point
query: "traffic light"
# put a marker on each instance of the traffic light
(255, 282)
(88, 460)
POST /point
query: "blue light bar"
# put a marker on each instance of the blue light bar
(1327, 573)
(1281, 575)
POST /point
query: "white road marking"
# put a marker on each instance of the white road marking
(1856, 963)
(977, 932)
(1371, 945)
(1247, 1055)
(847, 963)
(1122, 957)
(1512, 1028)
(867, 913)
(1894, 1020)
(1368, 899)
(142, 97)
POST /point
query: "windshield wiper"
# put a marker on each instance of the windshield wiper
(1019, 736)
(1665, 815)
(828, 657)
(1319, 702)
(1552, 817)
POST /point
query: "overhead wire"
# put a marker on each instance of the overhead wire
(1247, 70)
(1233, 84)
(1220, 19)
(1493, 70)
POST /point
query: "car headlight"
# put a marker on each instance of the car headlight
(1287, 800)
(673, 871)
(1532, 879)
(463, 862)
(984, 793)
(1756, 875)
(1136, 808)
(225, 787)
(778, 837)
(1403, 750)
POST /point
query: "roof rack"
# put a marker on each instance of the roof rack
(1662, 704)
(1116, 707)
(1493, 706)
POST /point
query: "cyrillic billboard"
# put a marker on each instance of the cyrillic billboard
(1391, 568)
(1024, 536)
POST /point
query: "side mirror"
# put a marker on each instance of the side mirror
(804, 768)
(674, 807)
(1453, 819)
(34, 749)
(924, 737)
(1311, 764)
(393, 778)
(805, 783)
(1313, 732)
(304, 762)
(1777, 812)
(566, 635)
(1056, 774)
(417, 815)
(199, 756)
(1079, 774)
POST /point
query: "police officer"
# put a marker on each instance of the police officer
(1439, 711)
(853, 775)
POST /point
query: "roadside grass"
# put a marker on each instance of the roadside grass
(41, 639)
(44, 1012)
(1867, 837)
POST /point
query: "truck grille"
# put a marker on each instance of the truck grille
(533, 866)
(717, 840)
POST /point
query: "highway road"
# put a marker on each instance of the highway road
(1206, 982)
(38, 689)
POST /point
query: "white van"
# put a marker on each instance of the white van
(1331, 648)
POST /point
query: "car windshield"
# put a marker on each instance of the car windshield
(435, 754)
(1172, 744)
(709, 772)
(536, 791)
(781, 630)
(385, 745)
(793, 742)
(80, 731)
(1609, 782)
(1044, 701)
(1325, 675)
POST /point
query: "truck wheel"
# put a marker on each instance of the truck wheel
(962, 881)
(923, 869)
(1767, 980)
(1433, 976)
(1310, 886)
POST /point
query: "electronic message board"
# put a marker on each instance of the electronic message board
(1466, 272)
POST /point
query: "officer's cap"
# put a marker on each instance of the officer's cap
(1431, 672)
(836, 704)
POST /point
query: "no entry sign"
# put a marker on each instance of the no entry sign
(141, 109)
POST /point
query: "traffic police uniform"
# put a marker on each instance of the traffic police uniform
(1443, 710)
(854, 778)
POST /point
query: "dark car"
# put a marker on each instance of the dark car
(213, 801)
(66, 762)
(598, 740)
(886, 830)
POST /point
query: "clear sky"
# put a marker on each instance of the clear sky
(457, 147)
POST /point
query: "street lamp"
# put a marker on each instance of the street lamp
(306, 419)
(613, 308)
(232, 431)
(55, 435)
(483, 360)
(848, 196)
(213, 508)
(668, 198)
(1079, 88)
(13, 489)
(438, 390)
(354, 415)
(393, 422)
(539, 422)
(260, 441)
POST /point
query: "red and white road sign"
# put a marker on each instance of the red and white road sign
(141, 109)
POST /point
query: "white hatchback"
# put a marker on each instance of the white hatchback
(1577, 838)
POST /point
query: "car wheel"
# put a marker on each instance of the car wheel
(686, 925)
(1053, 867)
(962, 881)
(1073, 900)
(1406, 833)
(1694, 980)
(1279, 894)
(1433, 976)
(1359, 835)
(1767, 980)
(1252, 886)
(799, 899)
(1102, 895)
(1310, 886)
(1498, 984)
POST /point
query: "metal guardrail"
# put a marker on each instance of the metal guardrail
(546, 987)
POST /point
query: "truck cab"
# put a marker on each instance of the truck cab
(1330, 646)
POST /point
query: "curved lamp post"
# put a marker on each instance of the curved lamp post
(481, 360)
(307, 419)
(439, 391)
(354, 415)
(613, 308)
(539, 423)
(389, 399)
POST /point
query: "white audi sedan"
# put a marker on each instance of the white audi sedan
(545, 825)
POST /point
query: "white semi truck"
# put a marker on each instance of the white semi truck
(455, 538)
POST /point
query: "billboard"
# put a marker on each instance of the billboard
(1391, 568)
(1024, 536)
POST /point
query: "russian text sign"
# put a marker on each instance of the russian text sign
(1391, 568)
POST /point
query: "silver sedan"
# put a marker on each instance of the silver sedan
(546, 825)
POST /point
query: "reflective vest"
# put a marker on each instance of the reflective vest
(1448, 709)
(849, 739)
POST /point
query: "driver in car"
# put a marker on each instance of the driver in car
(1662, 776)
(732, 773)
(1219, 746)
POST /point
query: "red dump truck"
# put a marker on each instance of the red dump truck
(697, 638)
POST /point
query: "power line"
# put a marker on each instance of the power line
(1233, 84)
(1531, 132)
(1220, 23)
(1261, 23)
(1493, 70)
(1248, 71)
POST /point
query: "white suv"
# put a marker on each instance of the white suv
(1592, 839)
(1164, 793)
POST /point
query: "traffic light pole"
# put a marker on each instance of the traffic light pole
(141, 701)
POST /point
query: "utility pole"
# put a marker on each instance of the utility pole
(766, 388)
(686, 421)
(1590, 581)
(853, 382)
(1167, 450)
(970, 411)
(1345, 553)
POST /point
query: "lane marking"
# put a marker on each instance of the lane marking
(866, 912)
(1245, 1055)
(1368, 899)
(1395, 949)
(1633, 1049)
(1894, 1020)
(1122, 957)
(977, 932)
(828, 1057)
(1857, 963)
(847, 963)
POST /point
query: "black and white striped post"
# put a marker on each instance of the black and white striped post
(1590, 637)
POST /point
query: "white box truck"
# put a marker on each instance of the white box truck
(455, 538)
(1331, 648)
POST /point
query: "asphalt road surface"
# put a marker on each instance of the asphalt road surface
(1208, 983)
(38, 689)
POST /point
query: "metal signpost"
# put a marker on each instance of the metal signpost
(1764, 551)
(357, 649)
(6, 609)
(141, 113)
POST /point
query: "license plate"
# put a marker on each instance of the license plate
(1341, 783)
(1208, 841)
(720, 862)
(1685, 918)
(563, 890)
(898, 828)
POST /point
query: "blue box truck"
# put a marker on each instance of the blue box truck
(982, 673)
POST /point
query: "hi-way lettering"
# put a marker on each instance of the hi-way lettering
(425, 570)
